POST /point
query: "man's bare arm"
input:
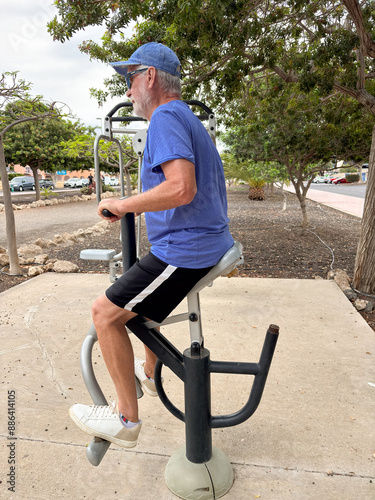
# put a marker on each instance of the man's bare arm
(179, 188)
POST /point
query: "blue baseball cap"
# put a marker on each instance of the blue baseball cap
(151, 54)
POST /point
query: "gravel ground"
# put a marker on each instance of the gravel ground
(275, 245)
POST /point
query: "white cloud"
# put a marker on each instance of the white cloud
(59, 72)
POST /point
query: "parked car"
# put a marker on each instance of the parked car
(113, 181)
(22, 183)
(84, 182)
(73, 183)
(340, 180)
(319, 179)
(331, 178)
(46, 183)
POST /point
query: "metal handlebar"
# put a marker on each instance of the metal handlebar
(107, 214)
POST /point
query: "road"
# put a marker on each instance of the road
(356, 190)
(348, 198)
(30, 195)
(45, 222)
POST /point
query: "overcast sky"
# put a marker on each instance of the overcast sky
(58, 71)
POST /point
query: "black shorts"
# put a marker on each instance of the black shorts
(153, 288)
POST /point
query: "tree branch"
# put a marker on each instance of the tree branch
(367, 43)
(361, 68)
(25, 119)
(288, 78)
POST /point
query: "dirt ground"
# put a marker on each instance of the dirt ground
(275, 245)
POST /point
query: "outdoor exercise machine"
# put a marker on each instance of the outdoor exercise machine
(197, 470)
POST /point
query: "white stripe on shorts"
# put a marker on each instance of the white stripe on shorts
(168, 271)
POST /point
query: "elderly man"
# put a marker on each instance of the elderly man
(184, 201)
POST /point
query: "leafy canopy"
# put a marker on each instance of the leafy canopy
(325, 46)
(38, 143)
(274, 122)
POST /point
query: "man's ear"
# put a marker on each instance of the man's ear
(151, 76)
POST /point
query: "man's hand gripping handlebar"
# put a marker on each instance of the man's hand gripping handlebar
(107, 214)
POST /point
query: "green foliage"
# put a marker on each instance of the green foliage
(74, 16)
(255, 65)
(12, 175)
(255, 174)
(80, 149)
(47, 192)
(352, 177)
(88, 190)
(107, 187)
(37, 143)
(278, 124)
(13, 88)
(223, 44)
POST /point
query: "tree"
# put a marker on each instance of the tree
(278, 124)
(255, 174)
(38, 144)
(13, 88)
(81, 149)
(324, 46)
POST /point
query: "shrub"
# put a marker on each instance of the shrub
(107, 187)
(47, 191)
(352, 177)
(12, 175)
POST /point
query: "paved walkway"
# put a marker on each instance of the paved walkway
(312, 437)
(348, 204)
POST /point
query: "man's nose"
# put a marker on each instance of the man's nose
(128, 93)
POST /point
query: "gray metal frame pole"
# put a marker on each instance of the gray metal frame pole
(197, 405)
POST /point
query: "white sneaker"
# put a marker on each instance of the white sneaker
(147, 384)
(104, 422)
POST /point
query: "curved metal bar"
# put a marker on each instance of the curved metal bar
(128, 104)
(97, 166)
(125, 104)
(162, 395)
(192, 102)
(258, 383)
(87, 370)
(97, 448)
(98, 138)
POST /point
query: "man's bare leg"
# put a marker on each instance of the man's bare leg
(149, 365)
(109, 321)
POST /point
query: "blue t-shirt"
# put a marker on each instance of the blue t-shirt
(194, 235)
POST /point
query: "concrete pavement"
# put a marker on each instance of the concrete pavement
(312, 437)
(348, 204)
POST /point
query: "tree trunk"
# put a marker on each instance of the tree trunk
(364, 269)
(284, 196)
(301, 195)
(256, 193)
(14, 263)
(36, 182)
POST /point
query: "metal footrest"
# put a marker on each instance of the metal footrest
(97, 254)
